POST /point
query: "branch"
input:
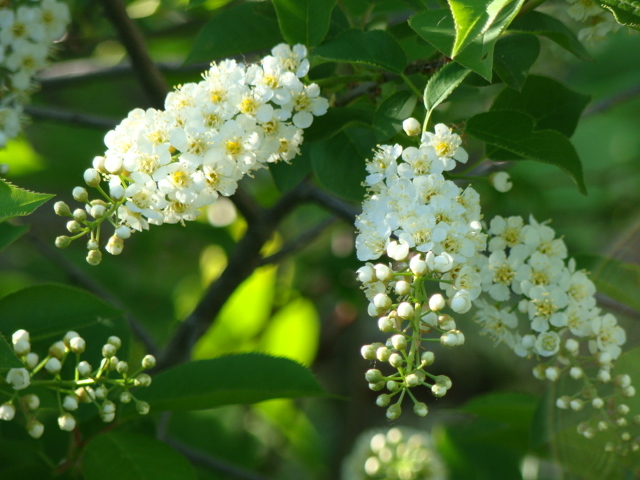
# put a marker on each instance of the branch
(148, 74)
(299, 243)
(614, 100)
(70, 117)
(243, 261)
(617, 307)
(333, 204)
(88, 283)
(216, 464)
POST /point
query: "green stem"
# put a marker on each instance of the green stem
(410, 84)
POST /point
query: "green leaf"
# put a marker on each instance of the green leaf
(17, 202)
(130, 456)
(538, 23)
(8, 358)
(48, 311)
(442, 83)
(550, 104)
(221, 37)
(513, 57)
(626, 12)
(513, 131)
(304, 21)
(437, 28)
(387, 121)
(234, 379)
(288, 175)
(336, 120)
(473, 19)
(375, 47)
(339, 166)
(10, 233)
(614, 278)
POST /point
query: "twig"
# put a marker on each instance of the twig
(614, 100)
(617, 307)
(246, 205)
(150, 77)
(87, 282)
(243, 261)
(299, 243)
(329, 202)
(70, 117)
(212, 463)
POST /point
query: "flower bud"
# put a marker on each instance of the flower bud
(31, 360)
(438, 391)
(53, 366)
(368, 352)
(58, 349)
(412, 380)
(622, 380)
(376, 387)
(563, 402)
(373, 375)
(629, 391)
(142, 407)
(366, 274)
(66, 422)
(22, 347)
(428, 358)
(77, 345)
(597, 403)
(576, 404)
(79, 215)
(73, 227)
(417, 266)
(576, 372)
(399, 342)
(70, 403)
(385, 324)
(94, 257)
(383, 272)
(402, 287)
(84, 369)
(446, 322)
(123, 232)
(394, 411)
(395, 360)
(98, 211)
(115, 245)
(62, 209)
(420, 409)
(436, 302)
(501, 181)
(7, 411)
(91, 178)
(98, 164)
(35, 428)
(31, 401)
(603, 376)
(552, 373)
(80, 194)
(116, 192)
(460, 303)
(383, 400)
(85, 394)
(125, 397)
(92, 244)
(142, 380)
(392, 386)
(412, 127)
(101, 392)
(383, 354)
(382, 301)
(113, 165)
(122, 367)
(449, 339)
(405, 310)
(108, 350)
(622, 409)
(398, 251)
(115, 341)
(62, 241)
(572, 346)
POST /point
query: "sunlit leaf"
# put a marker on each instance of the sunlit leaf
(514, 131)
(626, 12)
(473, 19)
(130, 456)
(442, 83)
(17, 202)
(304, 21)
(234, 379)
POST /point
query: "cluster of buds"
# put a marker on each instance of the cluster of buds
(162, 166)
(100, 387)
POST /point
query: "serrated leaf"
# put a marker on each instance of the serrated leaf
(550, 104)
(10, 233)
(375, 47)
(17, 202)
(234, 379)
(304, 21)
(221, 37)
(130, 456)
(473, 19)
(514, 55)
(339, 166)
(437, 28)
(539, 23)
(513, 131)
(626, 12)
(614, 278)
(288, 175)
(48, 311)
(392, 111)
(442, 83)
(8, 358)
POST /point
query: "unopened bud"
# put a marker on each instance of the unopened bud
(142, 407)
(412, 127)
(66, 422)
(62, 209)
(57, 349)
(80, 194)
(91, 178)
(63, 241)
(501, 181)
(394, 411)
(420, 409)
(149, 361)
(142, 380)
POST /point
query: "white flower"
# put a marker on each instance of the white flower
(18, 378)
(7, 412)
(446, 145)
(547, 344)
(501, 181)
(609, 335)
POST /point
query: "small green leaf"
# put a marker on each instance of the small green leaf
(513, 57)
(288, 175)
(375, 47)
(550, 104)
(234, 379)
(513, 131)
(614, 278)
(473, 19)
(130, 456)
(17, 202)
(10, 233)
(387, 121)
(538, 23)
(48, 311)
(304, 21)
(339, 166)
(626, 12)
(8, 358)
(442, 83)
(221, 37)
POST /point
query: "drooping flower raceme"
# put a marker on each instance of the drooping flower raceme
(161, 166)
(537, 302)
(425, 233)
(600, 21)
(27, 33)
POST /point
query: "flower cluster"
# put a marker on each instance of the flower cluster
(27, 32)
(86, 385)
(541, 305)
(400, 453)
(161, 166)
(600, 21)
(429, 228)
